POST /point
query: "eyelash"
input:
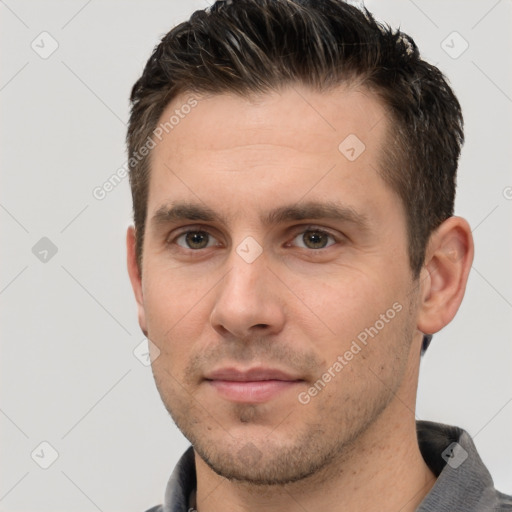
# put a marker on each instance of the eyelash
(202, 229)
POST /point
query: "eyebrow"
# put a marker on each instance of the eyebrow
(181, 211)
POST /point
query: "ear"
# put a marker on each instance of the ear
(135, 277)
(443, 279)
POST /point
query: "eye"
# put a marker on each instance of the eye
(314, 239)
(195, 240)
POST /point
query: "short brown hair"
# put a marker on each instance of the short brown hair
(256, 46)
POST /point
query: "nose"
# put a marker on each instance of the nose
(248, 302)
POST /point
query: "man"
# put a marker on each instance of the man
(293, 177)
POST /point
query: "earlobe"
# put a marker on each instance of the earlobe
(135, 276)
(444, 277)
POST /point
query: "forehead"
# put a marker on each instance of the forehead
(271, 147)
(296, 116)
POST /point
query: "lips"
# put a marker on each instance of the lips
(250, 375)
(254, 385)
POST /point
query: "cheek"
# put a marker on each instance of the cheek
(172, 295)
(363, 369)
(357, 317)
(175, 315)
(347, 302)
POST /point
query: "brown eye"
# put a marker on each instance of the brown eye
(314, 239)
(195, 240)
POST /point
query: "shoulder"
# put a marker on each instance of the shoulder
(463, 482)
(504, 502)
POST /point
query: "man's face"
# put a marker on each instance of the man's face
(298, 259)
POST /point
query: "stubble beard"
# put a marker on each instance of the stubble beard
(319, 444)
(279, 458)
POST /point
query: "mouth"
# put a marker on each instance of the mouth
(255, 385)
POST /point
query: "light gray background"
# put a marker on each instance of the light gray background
(68, 373)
